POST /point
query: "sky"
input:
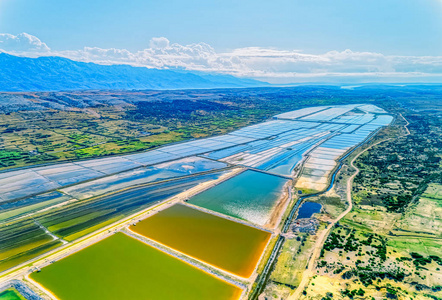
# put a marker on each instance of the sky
(280, 41)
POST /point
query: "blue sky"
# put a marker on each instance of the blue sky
(408, 27)
(316, 27)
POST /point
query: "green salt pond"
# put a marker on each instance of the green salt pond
(250, 196)
(121, 267)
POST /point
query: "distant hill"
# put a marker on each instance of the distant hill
(20, 74)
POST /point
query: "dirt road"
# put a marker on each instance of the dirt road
(324, 234)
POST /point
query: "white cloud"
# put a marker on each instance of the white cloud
(22, 42)
(273, 65)
(159, 43)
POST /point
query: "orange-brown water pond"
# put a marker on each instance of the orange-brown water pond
(220, 242)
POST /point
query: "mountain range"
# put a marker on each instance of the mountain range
(53, 73)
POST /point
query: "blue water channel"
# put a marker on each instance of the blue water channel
(332, 182)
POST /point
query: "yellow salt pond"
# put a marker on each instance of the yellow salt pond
(225, 244)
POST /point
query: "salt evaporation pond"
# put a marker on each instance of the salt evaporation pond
(308, 209)
(178, 168)
(225, 244)
(121, 267)
(286, 167)
(250, 196)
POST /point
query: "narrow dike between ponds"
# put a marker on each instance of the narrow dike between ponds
(53, 236)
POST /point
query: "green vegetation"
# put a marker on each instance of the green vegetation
(11, 294)
(228, 245)
(423, 245)
(121, 267)
(369, 253)
(31, 137)
(289, 266)
(364, 255)
(423, 217)
(398, 171)
(389, 245)
(21, 241)
(292, 261)
(332, 206)
(95, 124)
(420, 260)
(351, 294)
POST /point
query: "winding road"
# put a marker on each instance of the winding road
(324, 234)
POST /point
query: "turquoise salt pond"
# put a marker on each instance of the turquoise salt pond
(250, 196)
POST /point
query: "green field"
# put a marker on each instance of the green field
(223, 243)
(21, 241)
(121, 267)
(422, 245)
(11, 294)
(292, 261)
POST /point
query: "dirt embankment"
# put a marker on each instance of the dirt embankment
(280, 207)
